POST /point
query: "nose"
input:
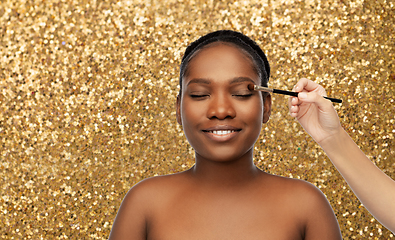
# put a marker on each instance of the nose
(220, 107)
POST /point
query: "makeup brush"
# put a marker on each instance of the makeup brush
(253, 87)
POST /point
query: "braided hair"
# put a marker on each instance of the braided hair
(241, 41)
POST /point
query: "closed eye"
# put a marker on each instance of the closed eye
(199, 96)
(243, 95)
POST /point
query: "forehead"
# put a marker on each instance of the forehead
(220, 60)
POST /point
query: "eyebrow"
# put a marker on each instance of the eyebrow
(199, 80)
(241, 80)
(233, 81)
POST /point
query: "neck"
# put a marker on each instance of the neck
(223, 174)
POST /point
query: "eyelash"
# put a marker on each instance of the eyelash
(196, 96)
(243, 95)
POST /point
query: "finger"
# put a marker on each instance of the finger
(301, 84)
(292, 101)
(308, 85)
(295, 101)
(293, 106)
(294, 111)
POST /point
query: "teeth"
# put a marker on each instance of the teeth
(222, 132)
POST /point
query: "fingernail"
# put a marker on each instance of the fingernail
(302, 95)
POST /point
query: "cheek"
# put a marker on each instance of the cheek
(190, 118)
(190, 113)
(254, 119)
(252, 112)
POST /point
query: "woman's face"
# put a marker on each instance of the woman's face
(221, 118)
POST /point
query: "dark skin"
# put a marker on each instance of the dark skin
(224, 195)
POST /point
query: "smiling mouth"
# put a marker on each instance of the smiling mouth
(222, 132)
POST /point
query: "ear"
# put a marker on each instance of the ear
(178, 109)
(267, 107)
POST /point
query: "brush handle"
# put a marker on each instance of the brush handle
(335, 100)
(295, 94)
(284, 92)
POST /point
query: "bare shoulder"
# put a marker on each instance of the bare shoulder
(147, 190)
(139, 205)
(296, 189)
(299, 194)
(309, 205)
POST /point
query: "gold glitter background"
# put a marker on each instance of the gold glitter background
(88, 89)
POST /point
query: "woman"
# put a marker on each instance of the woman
(224, 195)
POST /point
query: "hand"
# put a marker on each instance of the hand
(315, 113)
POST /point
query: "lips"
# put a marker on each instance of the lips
(221, 133)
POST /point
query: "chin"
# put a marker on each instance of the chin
(224, 155)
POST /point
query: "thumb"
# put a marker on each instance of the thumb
(318, 100)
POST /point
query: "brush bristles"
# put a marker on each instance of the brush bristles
(251, 87)
(262, 89)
